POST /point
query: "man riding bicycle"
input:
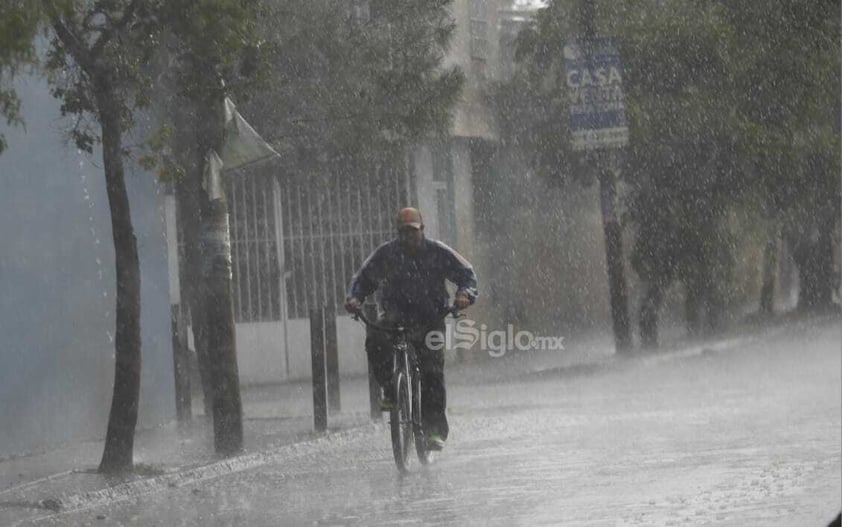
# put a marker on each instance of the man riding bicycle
(411, 271)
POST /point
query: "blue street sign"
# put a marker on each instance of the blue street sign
(595, 90)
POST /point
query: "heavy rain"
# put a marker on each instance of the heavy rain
(401, 262)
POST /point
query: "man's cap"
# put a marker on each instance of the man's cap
(409, 217)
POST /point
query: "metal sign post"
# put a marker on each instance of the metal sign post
(594, 78)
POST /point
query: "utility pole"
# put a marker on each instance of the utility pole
(607, 170)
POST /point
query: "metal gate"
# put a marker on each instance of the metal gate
(327, 223)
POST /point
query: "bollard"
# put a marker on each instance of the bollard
(317, 352)
(181, 361)
(332, 361)
(373, 386)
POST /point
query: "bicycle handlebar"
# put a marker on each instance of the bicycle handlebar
(358, 315)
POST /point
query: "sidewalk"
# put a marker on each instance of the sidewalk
(274, 416)
(279, 416)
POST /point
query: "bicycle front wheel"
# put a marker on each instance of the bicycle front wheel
(400, 422)
(424, 456)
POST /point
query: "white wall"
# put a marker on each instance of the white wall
(471, 116)
(57, 286)
(262, 359)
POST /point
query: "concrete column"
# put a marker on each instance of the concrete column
(463, 198)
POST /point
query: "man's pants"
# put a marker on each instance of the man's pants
(379, 345)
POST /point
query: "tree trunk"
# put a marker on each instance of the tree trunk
(812, 247)
(219, 305)
(693, 307)
(187, 190)
(649, 308)
(813, 255)
(187, 193)
(119, 439)
(614, 260)
(222, 352)
(770, 265)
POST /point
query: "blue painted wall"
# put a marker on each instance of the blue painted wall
(57, 290)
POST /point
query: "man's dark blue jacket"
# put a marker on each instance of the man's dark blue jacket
(412, 286)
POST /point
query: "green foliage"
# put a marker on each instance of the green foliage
(206, 42)
(339, 83)
(119, 43)
(683, 169)
(788, 77)
(158, 155)
(125, 36)
(200, 51)
(314, 77)
(731, 105)
(208, 50)
(532, 107)
(19, 21)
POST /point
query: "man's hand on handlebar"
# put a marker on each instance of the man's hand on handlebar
(353, 305)
(461, 301)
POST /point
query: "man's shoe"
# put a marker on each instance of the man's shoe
(435, 442)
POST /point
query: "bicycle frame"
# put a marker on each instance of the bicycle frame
(403, 358)
(406, 372)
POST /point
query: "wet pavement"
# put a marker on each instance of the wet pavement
(745, 435)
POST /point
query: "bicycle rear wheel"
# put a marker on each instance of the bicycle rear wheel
(400, 422)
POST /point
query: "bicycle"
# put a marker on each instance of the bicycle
(405, 420)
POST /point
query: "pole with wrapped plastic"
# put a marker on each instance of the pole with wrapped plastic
(240, 146)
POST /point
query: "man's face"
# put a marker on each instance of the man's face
(410, 238)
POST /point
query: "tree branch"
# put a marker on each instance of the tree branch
(108, 33)
(98, 8)
(80, 53)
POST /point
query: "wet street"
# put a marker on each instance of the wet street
(743, 436)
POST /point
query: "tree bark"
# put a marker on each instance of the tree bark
(649, 308)
(693, 307)
(219, 305)
(122, 420)
(813, 256)
(614, 260)
(770, 265)
(187, 193)
(812, 241)
(222, 351)
(187, 190)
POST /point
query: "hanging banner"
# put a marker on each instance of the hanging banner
(595, 94)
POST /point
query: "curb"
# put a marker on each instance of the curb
(688, 350)
(180, 478)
